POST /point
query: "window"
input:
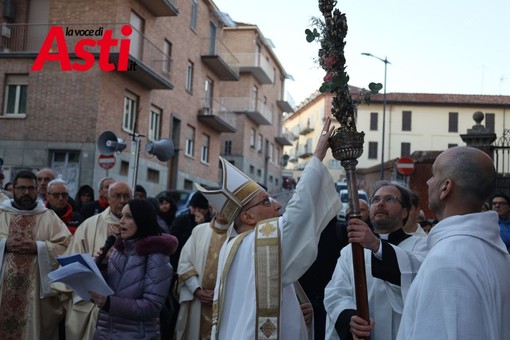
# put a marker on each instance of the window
(130, 107)
(259, 143)
(155, 124)
(189, 77)
(153, 175)
(372, 150)
(452, 145)
(489, 122)
(405, 149)
(194, 14)
(252, 169)
(259, 172)
(453, 122)
(373, 120)
(15, 100)
(190, 141)
(124, 168)
(204, 150)
(252, 138)
(208, 101)
(254, 96)
(271, 153)
(406, 120)
(136, 38)
(167, 56)
(228, 148)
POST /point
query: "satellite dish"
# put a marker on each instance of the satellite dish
(162, 149)
(108, 143)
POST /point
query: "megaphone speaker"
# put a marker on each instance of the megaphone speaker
(108, 143)
(162, 149)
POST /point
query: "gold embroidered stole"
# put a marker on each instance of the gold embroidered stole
(16, 283)
(268, 279)
(209, 277)
(231, 249)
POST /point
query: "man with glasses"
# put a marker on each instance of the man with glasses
(501, 205)
(89, 238)
(57, 195)
(254, 295)
(392, 258)
(31, 236)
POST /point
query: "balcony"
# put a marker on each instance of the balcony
(216, 116)
(305, 129)
(286, 104)
(284, 138)
(305, 151)
(153, 66)
(161, 8)
(257, 111)
(219, 59)
(258, 65)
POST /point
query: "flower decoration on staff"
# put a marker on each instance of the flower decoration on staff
(331, 34)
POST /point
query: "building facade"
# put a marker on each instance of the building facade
(186, 69)
(414, 122)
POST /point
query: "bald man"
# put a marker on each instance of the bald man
(462, 288)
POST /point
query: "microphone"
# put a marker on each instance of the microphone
(110, 241)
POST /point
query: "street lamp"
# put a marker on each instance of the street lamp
(386, 62)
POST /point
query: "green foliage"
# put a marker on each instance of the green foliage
(375, 87)
(311, 35)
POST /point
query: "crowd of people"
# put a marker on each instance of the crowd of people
(234, 267)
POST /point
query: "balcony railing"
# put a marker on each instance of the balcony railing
(284, 138)
(217, 116)
(286, 104)
(257, 111)
(305, 151)
(153, 65)
(306, 128)
(258, 65)
(219, 59)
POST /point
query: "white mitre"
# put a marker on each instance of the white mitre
(236, 191)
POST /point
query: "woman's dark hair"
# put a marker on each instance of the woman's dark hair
(144, 215)
(168, 216)
(84, 189)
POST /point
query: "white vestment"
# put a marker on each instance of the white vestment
(462, 290)
(191, 270)
(29, 308)
(81, 315)
(314, 203)
(385, 300)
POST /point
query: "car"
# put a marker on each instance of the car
(181, 198)
(344, 198)
(340, 185)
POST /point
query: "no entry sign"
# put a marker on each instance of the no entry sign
(106, 161)
(405, 166)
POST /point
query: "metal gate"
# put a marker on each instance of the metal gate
(501, 152)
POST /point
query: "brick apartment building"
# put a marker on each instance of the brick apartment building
(210, 85)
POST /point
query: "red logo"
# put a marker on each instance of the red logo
(56, 34)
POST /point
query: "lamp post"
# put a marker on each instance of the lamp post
(386, 62)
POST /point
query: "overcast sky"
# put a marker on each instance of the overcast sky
(435, 46)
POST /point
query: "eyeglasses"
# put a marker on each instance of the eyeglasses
(388, 199)
(266, 202)
(127, 197)
(499, 203)
(59, 194)
(22, 188)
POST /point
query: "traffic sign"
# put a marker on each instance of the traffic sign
(106, 161)
(405, 166)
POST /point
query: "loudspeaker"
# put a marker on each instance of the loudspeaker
(108, 143)
(285, 159)
(162, 149)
